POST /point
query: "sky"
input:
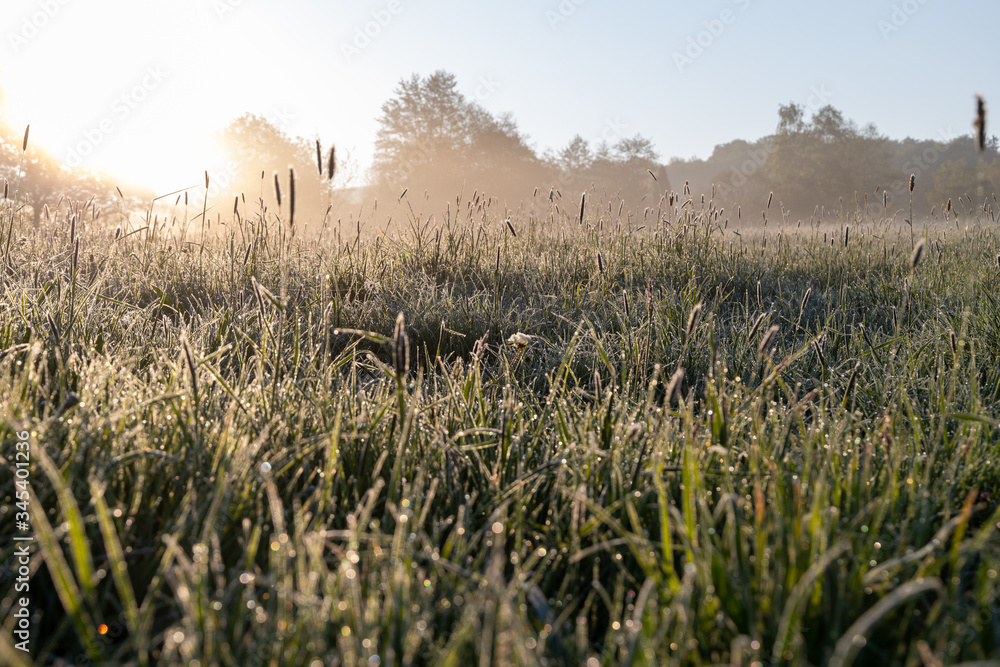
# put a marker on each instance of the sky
(137, 88)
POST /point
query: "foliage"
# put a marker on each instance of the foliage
(629, 169)
(260, 150)
(432, 138)
(825, 160)
(38, 180)
(830, 162)
(243, 456)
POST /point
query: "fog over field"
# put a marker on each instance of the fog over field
(527, 333)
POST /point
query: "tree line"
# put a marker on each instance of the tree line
(828, 164)
(435, 143)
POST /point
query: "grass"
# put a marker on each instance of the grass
(281, 452)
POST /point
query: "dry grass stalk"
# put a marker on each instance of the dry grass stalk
(291, 197)
(192, 367)
(818, 349)
(400, 346)
(674, 387)
(980, 123)
(917, 253)
(805, 300)
(693, 318)
(756, 325)
(767, 342)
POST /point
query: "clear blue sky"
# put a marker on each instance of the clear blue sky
(160, 77)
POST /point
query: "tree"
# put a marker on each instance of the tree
(576, 156)
(37, 179)
(256, 145)
(960, 178)
(829, 158)
(741, 171)
(623, 169)
(432, 138)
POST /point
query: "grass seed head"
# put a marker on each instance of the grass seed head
(674, 387)
(401, 347)
(291, 197)
(913, 181)
(918, 252)
(277, 189)
(192, 368)
(693, 318)
(767, 342)
(980, 123)
(756, 324)
(805, 300)
(818, 349)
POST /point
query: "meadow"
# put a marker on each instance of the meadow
(573, 433)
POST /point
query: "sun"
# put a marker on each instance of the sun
(101, 96)
(165, 158)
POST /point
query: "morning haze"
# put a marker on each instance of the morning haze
(572, 332)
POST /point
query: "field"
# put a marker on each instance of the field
(580, 437)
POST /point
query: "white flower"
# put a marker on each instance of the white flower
(521, 340)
